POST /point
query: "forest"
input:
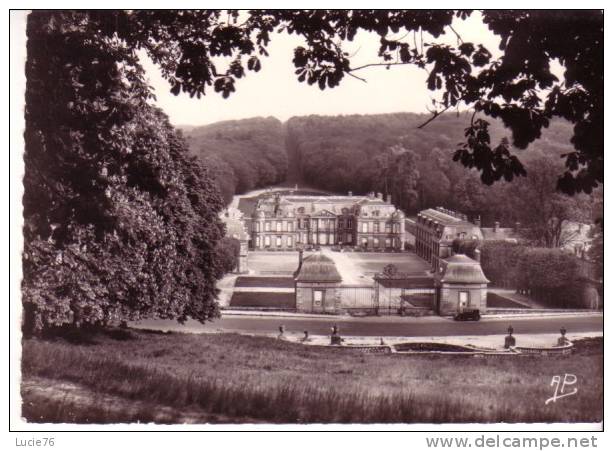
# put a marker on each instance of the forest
(389, 153)
(241, 155)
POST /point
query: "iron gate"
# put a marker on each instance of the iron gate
(400, 293)
(358, 298)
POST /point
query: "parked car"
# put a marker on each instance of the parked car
(468, 315)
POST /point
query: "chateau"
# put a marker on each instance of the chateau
(435, 230)
(289, 222)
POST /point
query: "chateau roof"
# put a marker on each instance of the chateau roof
(318, 268)
(462, 269)
(443, 218)
(315, 205)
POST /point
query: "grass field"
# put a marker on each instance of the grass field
(264, 282)
(271, 262)
(497, 301)
(263, 299)
(145, 376)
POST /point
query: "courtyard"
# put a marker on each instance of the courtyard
(354, 267)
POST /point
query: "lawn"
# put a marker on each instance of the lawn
(144, 376)
(263, 299)
(282, 262)
(496, 301)
(264, 282)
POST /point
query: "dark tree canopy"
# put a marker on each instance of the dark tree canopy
(187, 44)
(120, 223)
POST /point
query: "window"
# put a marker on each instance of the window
(279, 241)
(318, 298)
(375, 242)
(257, 241)
(388, 228)
(463, 299)
(267, 226)
(375, 213)
(341, 223)
(349, 223)
(376, 226)
(267, 241)
(289, 241)
(279, 226)
(285, 226)
(365, 242)
(290, 227)
(388, 242)
(364, 227)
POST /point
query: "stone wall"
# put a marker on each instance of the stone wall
(449, 297)
(331, 302)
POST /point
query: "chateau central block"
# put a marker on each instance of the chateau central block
(287, 222)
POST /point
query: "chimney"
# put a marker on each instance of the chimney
(379, 196)
(350, 193)
(496, 226)
(477, 221)
(389, 199)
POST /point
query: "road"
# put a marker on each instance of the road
(387, 326)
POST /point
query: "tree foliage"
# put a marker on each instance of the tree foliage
(245, 154)
(227, 252)
(199, 50)
(551, 276)
(120, 223)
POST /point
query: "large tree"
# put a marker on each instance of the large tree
(120, 222)
(548, 218)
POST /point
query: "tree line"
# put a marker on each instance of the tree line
(241, 155)
(551, 276)
(388, 153)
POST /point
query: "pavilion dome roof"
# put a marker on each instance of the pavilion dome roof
(317, 268)
(462, 269)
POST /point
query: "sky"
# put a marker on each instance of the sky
(275, 91)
